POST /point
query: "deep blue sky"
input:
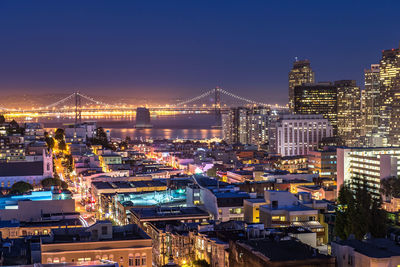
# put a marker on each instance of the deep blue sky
(181, 48)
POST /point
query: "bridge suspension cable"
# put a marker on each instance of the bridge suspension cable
(244, 99)
(231, 95)
(71, 96)
(93, 100)
(59, 102)
(196, 98)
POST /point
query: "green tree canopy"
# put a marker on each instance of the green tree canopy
(390, 187)
(59, 135)
(48, 182)
(62, 145)
(50, 142)
(21, 187)
(100, 138)
(358, 212)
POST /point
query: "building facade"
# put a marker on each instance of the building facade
(372, 164)
(246, 125)
(323, 162)
(320, 98)
(348, 111)
(372, 100)
(389, 74)
(298, 134)
(300, 74)
(127, 245)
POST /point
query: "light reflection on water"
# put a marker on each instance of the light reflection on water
(156, 133)
(169, 127)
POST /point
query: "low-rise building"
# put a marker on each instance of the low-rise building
(140, 216)
(126, 245)
(373, 252)
(284, 209)
(323, 162)
(32, 172)
(293, 164)
(267, 252)
(30, 207)
(252, 209)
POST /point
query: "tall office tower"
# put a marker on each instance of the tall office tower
(389, 72)
(299, 134)
(348, 111)
(371, 106)
(246, 125)
(319, 98)
(300, 74)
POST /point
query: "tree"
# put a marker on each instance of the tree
(358, 212)
(62, 145)
(2, 119)
(21, 187)
(49, 141)
(49, 182)
(390, 187)
(64, 185)
(100, 138)
(59, 135)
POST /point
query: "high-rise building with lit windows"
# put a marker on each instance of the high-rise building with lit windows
(389, 74)
(246, 125)
(300, 74)
(371, 105)
(319, 98)
(372, 164)
(348, 111)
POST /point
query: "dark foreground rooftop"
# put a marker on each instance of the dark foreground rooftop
(284, 250)
(374, 248)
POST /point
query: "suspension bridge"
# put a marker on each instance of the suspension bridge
(78, 104)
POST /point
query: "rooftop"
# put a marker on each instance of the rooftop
(128, 184)
(23, 168)
(166, 213)
(374, 248)
(84, 234)
(284, 250)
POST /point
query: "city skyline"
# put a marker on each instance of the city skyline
(180, 49)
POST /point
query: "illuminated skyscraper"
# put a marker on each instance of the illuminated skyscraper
(371, 106)
(246, 125)
(390, 92)
(319, 98)
(300, 74)
(348, 111)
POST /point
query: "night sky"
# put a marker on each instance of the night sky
(182, 48)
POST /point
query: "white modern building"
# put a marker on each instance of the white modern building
(298, 134)
(373, 164)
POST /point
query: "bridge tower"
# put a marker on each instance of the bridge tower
(217, 106)
(78, 111)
